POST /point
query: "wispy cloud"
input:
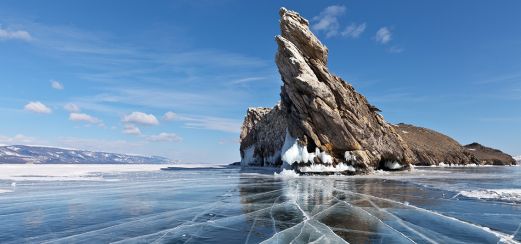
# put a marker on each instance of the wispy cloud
(56, 85)
(38, 107)
(383, 35)
(164, 137)
(395, 49)
(246, 80)
(354, 30)
(17, 139)
(509, 77)
(101, 145)
(6, 34)
(71, 107)
(82, 117)
(327, 20)
(169, 116)
(131, 129)
(211, 123)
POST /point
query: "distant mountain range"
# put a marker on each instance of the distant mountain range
(20, 154)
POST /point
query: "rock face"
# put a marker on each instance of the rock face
(432, 148)
(322, 125)
(262, 136)
(489, 156)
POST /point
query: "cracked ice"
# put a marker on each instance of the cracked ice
(235, 206)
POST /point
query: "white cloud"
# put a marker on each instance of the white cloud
(83, 118)
(141, 118)
(164, 137)
(327, 20)
(56, 85)
(383, 35)
(38, 107)
(15, 35)
(169, 116)
(71, 107)
(354, 30)
(17, 139)
(131, 129)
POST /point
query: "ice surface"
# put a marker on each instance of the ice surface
(53, 172)
(509, 195)
(286, 173)
(227, 205)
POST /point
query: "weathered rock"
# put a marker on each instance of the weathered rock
(432, 148)
(262, 136)
(323, 110)
(489, 156)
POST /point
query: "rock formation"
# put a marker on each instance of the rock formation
(323, 125)
(432, 148)
(489, 156)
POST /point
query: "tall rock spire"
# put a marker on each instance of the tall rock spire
(323, 110)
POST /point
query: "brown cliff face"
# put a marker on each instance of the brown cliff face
(323, 124)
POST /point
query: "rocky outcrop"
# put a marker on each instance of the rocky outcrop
(322, 125)
(324, 111)
(321, 118)
(432, 148)
(489, 156)
(262, 136)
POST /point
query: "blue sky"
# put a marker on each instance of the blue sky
(103, 75)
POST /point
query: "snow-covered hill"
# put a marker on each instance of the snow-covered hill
(49, 155)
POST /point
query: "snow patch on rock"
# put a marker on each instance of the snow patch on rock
(322, 168)
(293, 152)
(248, 157)
(393, 165)
(286, 173)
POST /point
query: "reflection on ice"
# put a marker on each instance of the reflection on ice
(217, 205)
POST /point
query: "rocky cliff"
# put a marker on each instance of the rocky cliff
(322, 125)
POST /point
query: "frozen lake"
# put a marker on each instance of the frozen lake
(142, 204)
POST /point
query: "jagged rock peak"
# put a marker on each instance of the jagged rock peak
(295, 29)
(323, 110)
